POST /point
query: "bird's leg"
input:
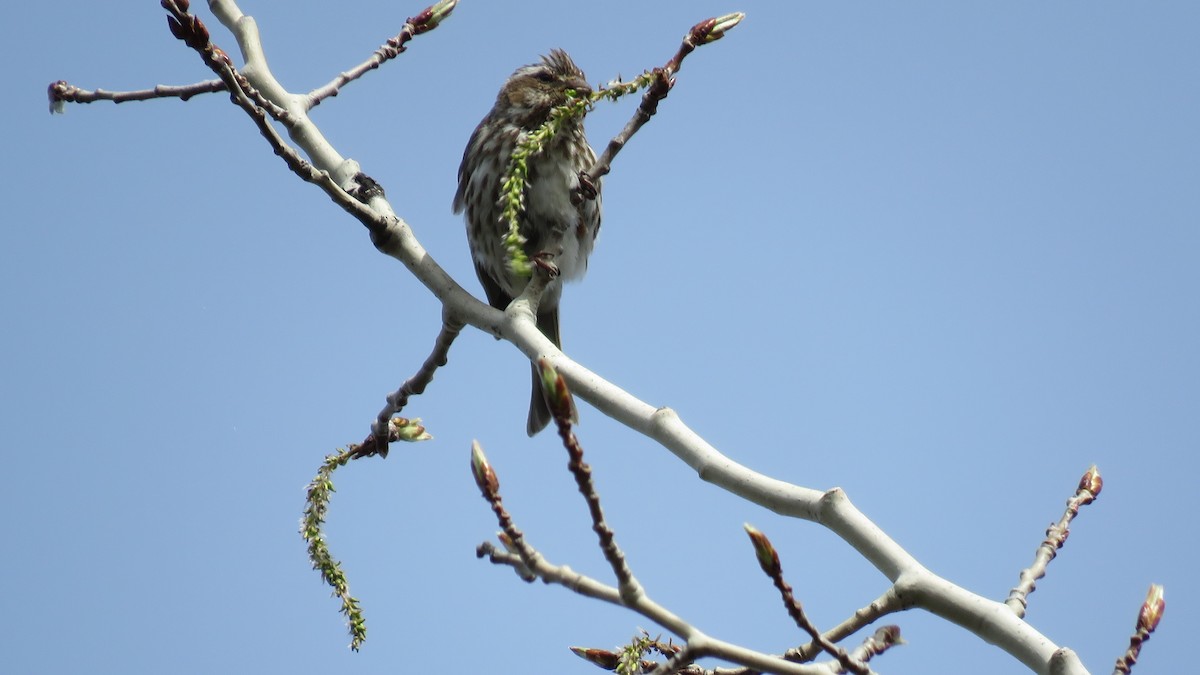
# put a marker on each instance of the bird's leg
(544, 260)
(586, 189)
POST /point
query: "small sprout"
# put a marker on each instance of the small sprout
(176, 28)
(408, 430)
(507, 542)
(599, 657)
(1092, 482)
(880, 641)
(1152, 609)
(431, 16)
(201, 30)
(485, 477)
(57, 104)
(888, 636)
(768, 559)
(558, 397)
(721, 24)
(1148, 617)
(630, 659)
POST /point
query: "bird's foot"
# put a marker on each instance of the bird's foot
(586, 190)
(544, 260)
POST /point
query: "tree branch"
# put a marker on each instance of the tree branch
(391, 235)
(1056, 535)
(261, 96)
(424, 22)
(61, 92)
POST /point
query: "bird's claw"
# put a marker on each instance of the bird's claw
(544, 260)
(586, 190)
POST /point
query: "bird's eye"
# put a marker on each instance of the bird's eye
(544, 76)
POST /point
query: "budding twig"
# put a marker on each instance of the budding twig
(768, 559)
(191, 30)
(659, 83)
(562, 408)
(425, 21)
(413, 386)
(629, 659)
(879, 642)
(887, 603)
(1148, 617)
(1056, 535)
(527, 559)
(61, 92)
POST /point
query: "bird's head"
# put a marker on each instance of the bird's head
(532, 91)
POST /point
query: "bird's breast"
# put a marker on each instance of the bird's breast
(549, 202)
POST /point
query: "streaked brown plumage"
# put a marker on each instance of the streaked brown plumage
(551, 202)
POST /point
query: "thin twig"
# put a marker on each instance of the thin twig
(885, 604)
(191, 31)
(879, 642)
(413, 386)
(678, 658)
(1056, 535)
(768, 559)
(562, 407)
(61, 92)
(657, 82)
(525, 559)
(678, 662)
(513, 538)
(1148, 617)
(709, 30)
(427, 20)
(64, 92)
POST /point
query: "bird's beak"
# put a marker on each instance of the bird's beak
(581, 87)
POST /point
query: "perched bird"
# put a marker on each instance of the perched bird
(555, 200)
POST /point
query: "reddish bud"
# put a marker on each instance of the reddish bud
(724, 23)
(711, 30)
(176, 28)
(431, 16)
(507, 542)
(200, 29)
(558, 397)
(888, 636)
(481, 469)
(1152, 609)
(600, 657)
(220, 55)
(699, 32)
(768, 558)
(1092, 482)
(56, 91)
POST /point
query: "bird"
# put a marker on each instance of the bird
(560, 197)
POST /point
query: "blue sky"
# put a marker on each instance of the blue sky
(940, 254)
